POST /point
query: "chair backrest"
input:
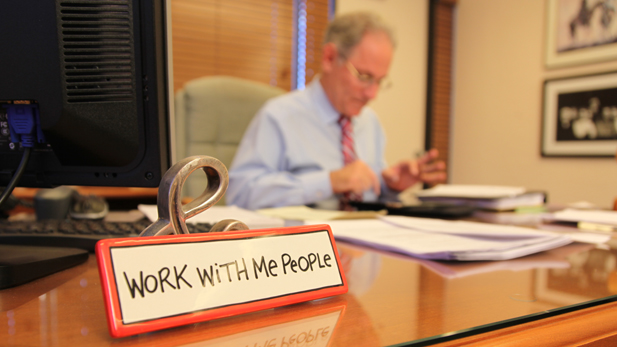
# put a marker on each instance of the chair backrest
(212, 114)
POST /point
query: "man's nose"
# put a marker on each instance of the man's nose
(371, 91)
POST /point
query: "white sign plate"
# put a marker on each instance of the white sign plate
(158, 282)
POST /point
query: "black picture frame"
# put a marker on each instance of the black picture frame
(580, 116)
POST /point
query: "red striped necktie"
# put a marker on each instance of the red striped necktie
(349, 156)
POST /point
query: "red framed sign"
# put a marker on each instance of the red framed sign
(153, 283)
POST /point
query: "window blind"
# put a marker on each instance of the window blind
(251, 39)
(439, 83)
(311, 21)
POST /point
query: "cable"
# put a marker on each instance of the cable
(20, 170)
(24, 127)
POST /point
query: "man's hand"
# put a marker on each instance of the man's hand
(409, 172)
(355, 177)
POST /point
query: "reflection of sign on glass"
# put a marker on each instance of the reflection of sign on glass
(588, 115)
(313, 331)
(585, 23)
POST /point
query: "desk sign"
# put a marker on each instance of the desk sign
(153, 283)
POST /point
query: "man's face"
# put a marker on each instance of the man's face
(370, 58)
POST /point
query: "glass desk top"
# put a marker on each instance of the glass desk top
(393, 299)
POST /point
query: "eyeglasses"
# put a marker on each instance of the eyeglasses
(368, 80)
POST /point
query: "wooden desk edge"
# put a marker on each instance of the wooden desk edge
(593, 326)
(105, 192)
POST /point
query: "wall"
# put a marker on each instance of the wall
(499, 76)
(401, 108)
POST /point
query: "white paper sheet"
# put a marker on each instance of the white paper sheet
(551, 259)
(592, 216)
(472, 191)
(215, 214)
(453, 245)
(307, 213)
(577, 235)
(465, 228)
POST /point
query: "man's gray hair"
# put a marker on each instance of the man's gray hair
(346, 31)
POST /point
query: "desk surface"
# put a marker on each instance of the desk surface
(118, 198)
(104, 192)
(392, 300)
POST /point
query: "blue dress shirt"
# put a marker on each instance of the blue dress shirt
(290, 148)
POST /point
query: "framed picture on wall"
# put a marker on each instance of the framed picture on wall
(580, 116)
(580, 31)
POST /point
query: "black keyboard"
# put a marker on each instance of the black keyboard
(82, 234)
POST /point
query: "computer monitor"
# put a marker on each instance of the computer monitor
(96, 77)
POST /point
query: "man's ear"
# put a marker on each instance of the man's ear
(329, 55)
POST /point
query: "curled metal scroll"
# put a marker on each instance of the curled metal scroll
(172, 214)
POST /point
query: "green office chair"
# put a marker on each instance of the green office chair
(212, 114)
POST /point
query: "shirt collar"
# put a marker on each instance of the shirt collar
(326, 111)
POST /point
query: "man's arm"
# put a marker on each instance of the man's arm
(260, 176)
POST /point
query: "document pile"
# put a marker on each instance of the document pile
(499, 198)
(446, 240)
(592, 220)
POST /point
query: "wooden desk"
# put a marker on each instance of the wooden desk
(104, 192)
(392, 300)
(118, 198)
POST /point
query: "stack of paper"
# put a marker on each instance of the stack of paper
(595, 220)
(446, 240)
(592, 216)
(486, 197)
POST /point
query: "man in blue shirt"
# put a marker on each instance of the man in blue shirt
(291, 152)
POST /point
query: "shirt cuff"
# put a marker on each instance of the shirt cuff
(317, 186)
